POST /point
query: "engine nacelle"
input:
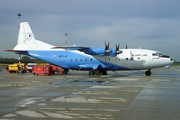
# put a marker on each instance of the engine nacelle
(97, 51)
(114, 52)
(102, 51)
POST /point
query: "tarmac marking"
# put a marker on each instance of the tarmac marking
(160, 80)
(149, 87)
(57, 115)
(10, 115)
(117, 87)
(126, 79)
(89, 100)
(70, 113)
(93, 93)
(30, 113)
(78, 109)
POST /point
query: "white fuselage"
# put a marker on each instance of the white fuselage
(138, 59)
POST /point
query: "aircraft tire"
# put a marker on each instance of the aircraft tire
(97, 72)
(91, 72)
(148, 73)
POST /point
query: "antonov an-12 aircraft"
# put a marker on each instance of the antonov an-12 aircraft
(96, 60)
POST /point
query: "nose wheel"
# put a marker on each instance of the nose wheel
(148, 72)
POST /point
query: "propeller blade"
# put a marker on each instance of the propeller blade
(117, 49)
(107, 48)
(126, 46)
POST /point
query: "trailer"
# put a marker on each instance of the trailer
(30, 65)
(45, 70)
(16, 68)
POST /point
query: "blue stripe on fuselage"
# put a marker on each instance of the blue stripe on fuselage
(72, 60)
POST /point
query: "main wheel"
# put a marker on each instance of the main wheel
(97, 72)
(91, 72)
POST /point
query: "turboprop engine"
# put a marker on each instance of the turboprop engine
(103, 51)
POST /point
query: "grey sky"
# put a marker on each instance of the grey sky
(149, 24)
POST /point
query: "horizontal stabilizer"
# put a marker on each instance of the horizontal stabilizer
(25, 52)
(15, 50)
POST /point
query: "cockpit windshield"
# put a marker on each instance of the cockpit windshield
(160, 55)
(157, 54)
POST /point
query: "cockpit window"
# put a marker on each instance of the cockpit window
(154, 54)
(157, 54)
(160, 55)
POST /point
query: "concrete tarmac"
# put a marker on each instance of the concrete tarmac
(124, 96)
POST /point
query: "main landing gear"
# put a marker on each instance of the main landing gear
(98, 72)
(148, 72)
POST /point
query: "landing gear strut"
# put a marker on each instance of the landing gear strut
(65, 71)
(148, 72)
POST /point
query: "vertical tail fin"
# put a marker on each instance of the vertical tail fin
(26, 39)
(25, 34)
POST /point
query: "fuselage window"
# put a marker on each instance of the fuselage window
(80, 59)
(91, 59)
(85, 59)
(71, 59)
(76, 60)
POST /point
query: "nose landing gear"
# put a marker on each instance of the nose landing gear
(148, 72)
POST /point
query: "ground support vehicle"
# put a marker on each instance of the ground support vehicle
(57, 69)
(30, 65)
(17, 68)
(45, 70)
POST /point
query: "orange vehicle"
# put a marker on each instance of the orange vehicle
(56, 68)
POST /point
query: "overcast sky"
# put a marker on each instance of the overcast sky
(148, 24)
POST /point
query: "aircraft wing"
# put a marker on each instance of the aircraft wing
(74, 47)
(102, 51)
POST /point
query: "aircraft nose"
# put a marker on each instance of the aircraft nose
(172, 59)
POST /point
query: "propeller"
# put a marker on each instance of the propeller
(126, 46)
(117, 51)
(107, 48)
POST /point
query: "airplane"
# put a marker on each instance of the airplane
(96, 60)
